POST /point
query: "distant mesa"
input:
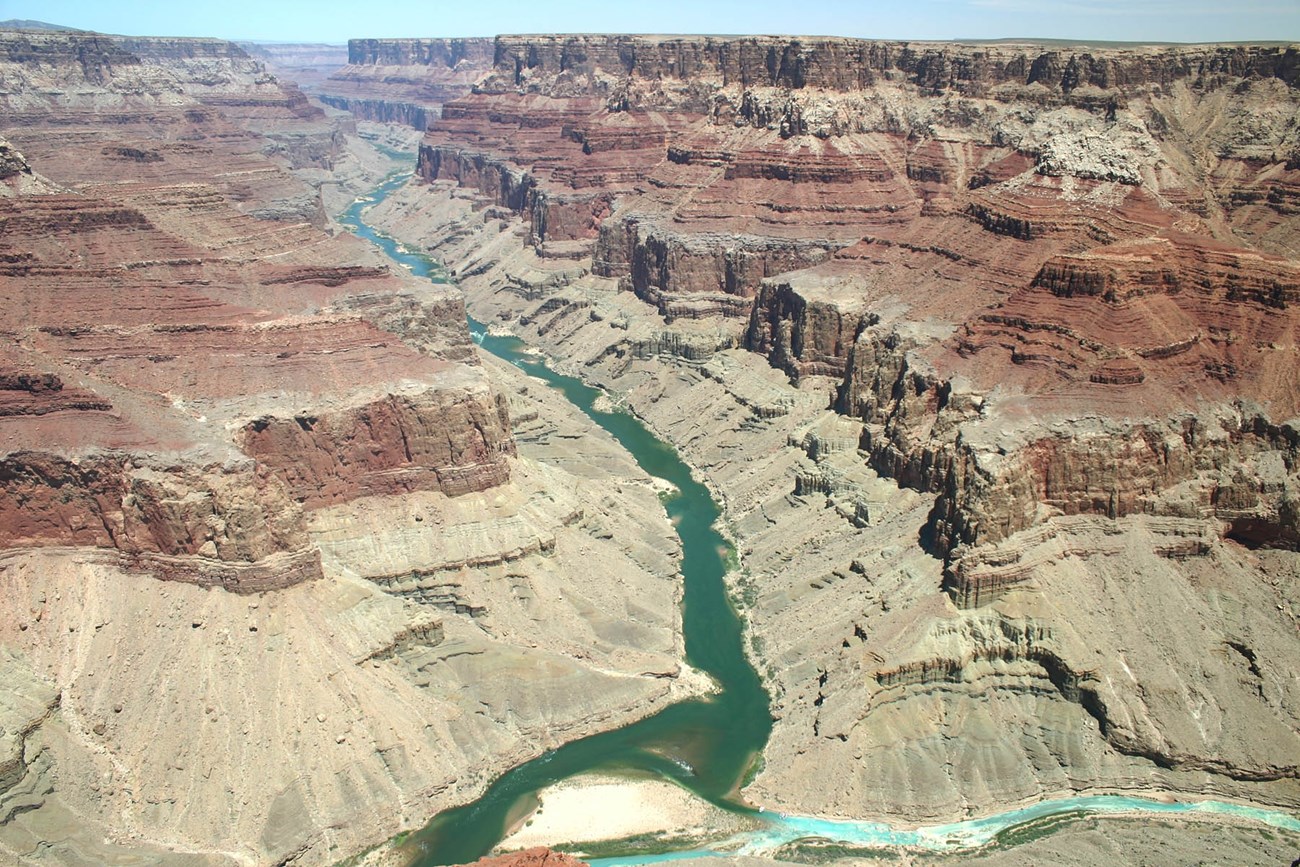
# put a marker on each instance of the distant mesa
(29, 24)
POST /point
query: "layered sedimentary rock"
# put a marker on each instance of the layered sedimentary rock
(306, 64)
(277, 582)
(405, 81)
(1030, 317)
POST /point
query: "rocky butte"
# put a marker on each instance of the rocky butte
(990, 352)
(279, 577)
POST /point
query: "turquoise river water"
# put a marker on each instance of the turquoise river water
(707, 745)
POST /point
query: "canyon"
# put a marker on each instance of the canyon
(286, 568)
(988, 353)
(405, 81)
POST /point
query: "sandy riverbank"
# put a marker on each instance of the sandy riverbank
(593, 807)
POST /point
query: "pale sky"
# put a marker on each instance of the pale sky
(339, 20)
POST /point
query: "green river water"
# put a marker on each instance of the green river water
(708, 745)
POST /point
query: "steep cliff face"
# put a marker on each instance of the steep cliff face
(165, 109)
(854, 64)
(1041, 179)
(453, 440)
(380, 110)
(449, 53)
(743, 158)
(143, 69)
(405, 81)
(1050, 294)
(181, 302)
(230, 527)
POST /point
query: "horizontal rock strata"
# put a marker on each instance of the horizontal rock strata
(277, 581)
(1029, 313)
(405, 81)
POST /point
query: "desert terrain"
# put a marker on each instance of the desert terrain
(987, 352)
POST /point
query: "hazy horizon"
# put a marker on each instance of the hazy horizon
(332, 21)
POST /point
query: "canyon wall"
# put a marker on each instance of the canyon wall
(838, 64)
(405, 81)
(1032, 311)
(277, 580)
(306, 64)
(696, 170)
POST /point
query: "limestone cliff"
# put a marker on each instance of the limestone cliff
(838, 64)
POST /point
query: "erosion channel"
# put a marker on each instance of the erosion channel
(708, 745)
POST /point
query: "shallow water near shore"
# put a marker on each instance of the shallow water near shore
(707, 745)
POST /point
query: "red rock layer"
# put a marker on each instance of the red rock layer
(1190, 310)
(538, 856)
(1082, 234)
(191, 363)
(451, 441)
(405, 81)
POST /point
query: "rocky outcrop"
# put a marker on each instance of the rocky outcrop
(12, 163)
(139, 400)
(694, 275)
(504, 185)
(808, 331)
(449, 441)
(383, 110)
(234, 516)
(537, 857)
(28, 702)
(1236, 469)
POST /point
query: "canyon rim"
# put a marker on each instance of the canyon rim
(988, 353)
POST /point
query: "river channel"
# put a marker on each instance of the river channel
(708, 745)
